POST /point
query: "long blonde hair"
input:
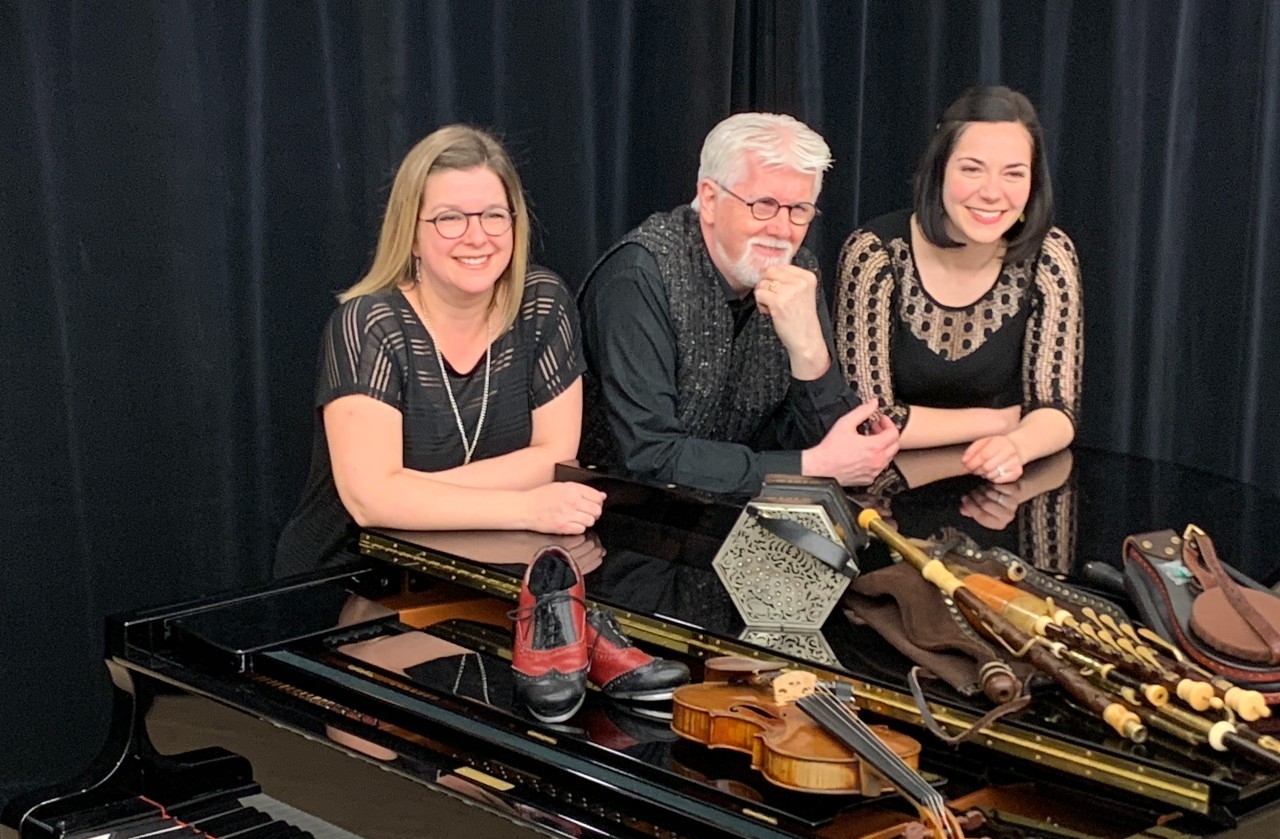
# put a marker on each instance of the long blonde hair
(450, 147)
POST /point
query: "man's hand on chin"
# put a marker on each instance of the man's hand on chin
(788, 295)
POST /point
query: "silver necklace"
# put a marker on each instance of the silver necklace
(468, 449)
(484, 677)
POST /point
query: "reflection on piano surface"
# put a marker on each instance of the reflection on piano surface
(399, 661)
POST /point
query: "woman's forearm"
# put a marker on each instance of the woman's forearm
(927, 428)
(409, 500)
(523, 469)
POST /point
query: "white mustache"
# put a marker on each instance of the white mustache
(772, 242)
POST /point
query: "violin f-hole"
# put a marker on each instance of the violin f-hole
(755, 709)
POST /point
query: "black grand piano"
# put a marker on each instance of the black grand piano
(390, 674)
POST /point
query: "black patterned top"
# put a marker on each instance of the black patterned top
(1021, 343)
(376, 345)
(687, 382)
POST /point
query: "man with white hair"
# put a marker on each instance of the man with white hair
(708, 347)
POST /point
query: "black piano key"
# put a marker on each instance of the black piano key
(270, 830)
(307, 825)
(229, 824)
(298, 833)
(148, 827)
(205, 808)
(171, 830)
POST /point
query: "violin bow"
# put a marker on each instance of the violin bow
(840, 721)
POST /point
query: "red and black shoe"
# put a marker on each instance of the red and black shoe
(623, 671)
(549, 648)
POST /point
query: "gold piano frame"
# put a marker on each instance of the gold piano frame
(1035, 749)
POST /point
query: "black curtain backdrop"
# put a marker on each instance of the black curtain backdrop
(186, 184)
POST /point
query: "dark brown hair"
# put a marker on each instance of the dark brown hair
(990, 103)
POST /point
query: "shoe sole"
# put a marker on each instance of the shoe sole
(559, 718)
(641, 695)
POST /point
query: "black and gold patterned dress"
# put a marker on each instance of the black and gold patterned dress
(1019, 344)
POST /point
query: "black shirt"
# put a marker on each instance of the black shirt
(630, 347)
(375, 345)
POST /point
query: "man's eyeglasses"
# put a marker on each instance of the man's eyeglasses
(763, 209)
(452, 224)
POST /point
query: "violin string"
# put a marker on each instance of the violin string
(872, 746)
(893, 767)
(848, 717)
(908, 781)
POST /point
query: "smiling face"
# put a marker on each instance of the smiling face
(741, 245)
(987, 181)
(472, 263)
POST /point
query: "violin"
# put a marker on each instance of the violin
(801, 736)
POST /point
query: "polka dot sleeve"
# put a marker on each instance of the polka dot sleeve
(864, 300)
(1053, 353)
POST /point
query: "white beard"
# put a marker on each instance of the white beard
(749, 268)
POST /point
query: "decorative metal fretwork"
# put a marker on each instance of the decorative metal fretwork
(773, 583)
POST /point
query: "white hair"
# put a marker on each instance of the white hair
(775, 140)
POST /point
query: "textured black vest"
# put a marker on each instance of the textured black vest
(726, 386)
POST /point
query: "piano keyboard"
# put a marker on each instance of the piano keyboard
(222, 817)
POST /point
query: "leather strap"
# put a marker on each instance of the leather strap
(828, 552)
(1199, 555)
(1019, 702)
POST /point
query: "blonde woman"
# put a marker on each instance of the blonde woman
(449, 381)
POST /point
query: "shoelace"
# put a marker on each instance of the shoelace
(544, 613)
(608, 627)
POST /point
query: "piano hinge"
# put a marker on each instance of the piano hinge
(546, 738)
(473, 774)
(764, 817)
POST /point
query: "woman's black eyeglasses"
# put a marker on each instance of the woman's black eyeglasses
(452, 224)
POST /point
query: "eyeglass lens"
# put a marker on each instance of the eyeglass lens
(766, 208)
(452, 224)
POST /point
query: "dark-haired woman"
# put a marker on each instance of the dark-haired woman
(963, 314)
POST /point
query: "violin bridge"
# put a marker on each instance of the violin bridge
(792, 685)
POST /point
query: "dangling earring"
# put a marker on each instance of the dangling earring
(417, 270)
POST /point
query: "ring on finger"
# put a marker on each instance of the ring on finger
(1000, 471)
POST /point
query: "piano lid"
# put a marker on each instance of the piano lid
(649, 559)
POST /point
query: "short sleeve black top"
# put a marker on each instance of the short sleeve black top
(375, 345)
